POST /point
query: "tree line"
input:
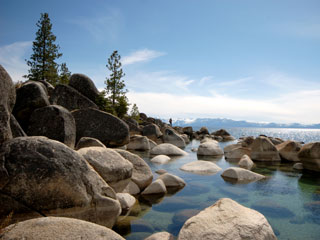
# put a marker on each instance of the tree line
(43, 66)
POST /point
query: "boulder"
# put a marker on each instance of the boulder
(247, 141)
(16, 129)
(84, 85)
(51, 228)
(262, 149)
(238, 152)
(138, 142)
(70, 98)
(7, 101)
(209, 148)
(161, 171)
(298, 166)
(201, 167)
(276, 141)
(52, 179)
(143, 116)
(289, 150)
(227, 220)
(160, 236)
(110, 130)
(241, 175)
(172, 181)
(110, 165)
(203, 131)
(161, 159)
(29, 97)
(152, 143)
(167, 149)
(171, 136)
(141, 174)
(126, 201)
(246, 162)
(54, 122)
(186, 138)
(134, 127)
(310, 156)
(132, 188)
(151, 131)
(224, 134)
(157, 187)
(188, 131)
(89, 142)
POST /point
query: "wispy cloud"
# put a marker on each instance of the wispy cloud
(143, 55)
(12, 58)
(235, 82)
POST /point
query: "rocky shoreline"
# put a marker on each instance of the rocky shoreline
(68, 168)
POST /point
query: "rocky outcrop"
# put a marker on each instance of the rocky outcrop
(110, 165)
(157, 187)
(141, 174)
(227, 220)
(30, 97)
(70, 98)
(289, 150)
(246, 162)
(48, 177)
(89, 142)
(151, 131)
(172, 181)
(201, 167)
(52, 228)
(262, 149)
(110, 130)
(138, 142)
(54, 122)
(7, 101)
(241, 175)
(84, 85)
(310, 156)
(16, 129)
(171, 136)
(160, 236)
(167, 149)
(237, 153)
(160, 159)
(224, 135)
(209, 148)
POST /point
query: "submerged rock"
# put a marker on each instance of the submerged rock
(241, 175)
(160, 159)
(160, 236)
(51, 228)
(227, 220)
(201, 167)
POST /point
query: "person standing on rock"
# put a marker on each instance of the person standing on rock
(170, 121)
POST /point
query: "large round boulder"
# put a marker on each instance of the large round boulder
(110, 130)
(110, 165)
(134, 127)
(209, 148)
(30, 97)
(141, 174)
(241, 175)
(310, 156)
(138, 142)
(7, 101)
(89, 142)
(52, 228)
(171, 136)
(227, 220)
(51, 179)
(201, 167)
(151, 131)
(84, 85)
(54, 122)
(167, 149)
(262, 149)
(289, 150)
(70, 98)
(237, 153)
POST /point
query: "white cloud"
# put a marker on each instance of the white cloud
(12, 59)
(143, 55)
(299, 107)
(235, 82)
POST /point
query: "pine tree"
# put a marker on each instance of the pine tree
(64, 74)
(134, 114)
(115, 86)
(42, 61)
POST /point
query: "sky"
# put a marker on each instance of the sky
(248, 60)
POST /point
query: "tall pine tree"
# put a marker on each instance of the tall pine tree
(42, 61)
(115, 86)
(64, 74)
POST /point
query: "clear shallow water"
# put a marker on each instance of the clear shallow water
(283, 198)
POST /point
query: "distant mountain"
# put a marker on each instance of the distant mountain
(228, 123)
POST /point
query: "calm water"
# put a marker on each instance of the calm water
(284, 198)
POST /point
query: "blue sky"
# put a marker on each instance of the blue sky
(241, 59)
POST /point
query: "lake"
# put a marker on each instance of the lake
(285, 198)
